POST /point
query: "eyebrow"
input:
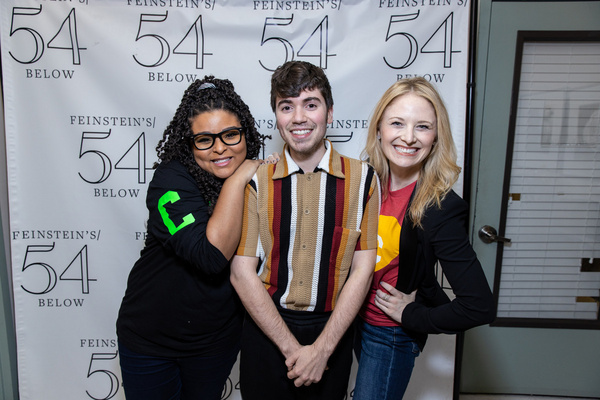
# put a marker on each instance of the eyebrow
(214, 134)
(306, 100)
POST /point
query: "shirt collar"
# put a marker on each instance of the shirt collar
(330, 163)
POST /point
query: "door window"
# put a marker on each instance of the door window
(549, 274)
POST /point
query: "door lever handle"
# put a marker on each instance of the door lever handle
(488, 234)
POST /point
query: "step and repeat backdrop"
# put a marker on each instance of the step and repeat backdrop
(90, 85)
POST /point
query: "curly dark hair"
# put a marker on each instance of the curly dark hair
(201, 96)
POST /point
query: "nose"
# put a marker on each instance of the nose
(298, 115)
(408, 135)
(219, 147)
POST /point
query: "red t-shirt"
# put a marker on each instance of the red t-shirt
(391, 216)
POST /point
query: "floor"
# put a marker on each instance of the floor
(515, 397)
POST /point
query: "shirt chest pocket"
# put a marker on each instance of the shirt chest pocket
(343, 244)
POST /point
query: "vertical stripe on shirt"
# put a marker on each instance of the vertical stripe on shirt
(310, 224)
(287, 236)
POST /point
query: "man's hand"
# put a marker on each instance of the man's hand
(306, 365)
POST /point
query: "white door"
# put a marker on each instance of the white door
(553, 349)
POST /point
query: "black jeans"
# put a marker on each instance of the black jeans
(186, 378)
(263, 373)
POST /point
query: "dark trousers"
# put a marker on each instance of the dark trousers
(186, 378)
(263, 373)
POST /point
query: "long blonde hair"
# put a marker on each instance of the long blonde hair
(439, 170)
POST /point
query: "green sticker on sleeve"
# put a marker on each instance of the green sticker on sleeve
(172, 197)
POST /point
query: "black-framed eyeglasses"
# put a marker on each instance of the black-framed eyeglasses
(231, 137)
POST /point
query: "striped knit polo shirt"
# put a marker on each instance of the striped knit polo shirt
(305, 226)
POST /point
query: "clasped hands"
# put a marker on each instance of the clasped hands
(306, 365)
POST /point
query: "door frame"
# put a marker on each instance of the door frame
(523, 37)
(513, 360)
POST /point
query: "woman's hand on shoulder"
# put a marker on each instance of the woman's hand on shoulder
(248, 168)
(271, 159)
(392, 301)
(246, 171)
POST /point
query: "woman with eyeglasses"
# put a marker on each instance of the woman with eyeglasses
(179, 323)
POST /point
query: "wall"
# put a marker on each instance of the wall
(8, 363)
(8, 372)
(65, 63)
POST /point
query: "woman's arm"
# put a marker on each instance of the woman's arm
(447, 241)
(225, 224)
(179, 217)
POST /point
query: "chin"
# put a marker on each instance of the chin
(223, 174)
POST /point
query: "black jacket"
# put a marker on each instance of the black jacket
(443, 238)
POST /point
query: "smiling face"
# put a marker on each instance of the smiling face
(408, 130)
(302, 123)
(220, 160)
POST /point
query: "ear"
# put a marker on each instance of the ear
(330, 115)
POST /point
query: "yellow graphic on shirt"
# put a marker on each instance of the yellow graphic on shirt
(388, 240)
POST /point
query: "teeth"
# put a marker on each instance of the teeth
(302, 132)
(405, 150)
(222, 161)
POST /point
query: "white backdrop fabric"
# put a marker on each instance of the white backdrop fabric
(89, 87)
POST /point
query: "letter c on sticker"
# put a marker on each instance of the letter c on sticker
(172, 197)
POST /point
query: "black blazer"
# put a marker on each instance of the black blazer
(443, 238)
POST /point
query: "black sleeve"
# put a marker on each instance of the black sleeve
(178, 218)
(445, 236)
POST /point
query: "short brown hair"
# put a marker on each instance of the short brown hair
(293, 77)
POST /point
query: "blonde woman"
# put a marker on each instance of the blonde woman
(422, 221)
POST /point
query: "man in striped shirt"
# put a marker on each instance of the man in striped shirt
(307, 253)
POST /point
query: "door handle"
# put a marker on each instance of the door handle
(488, 234)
